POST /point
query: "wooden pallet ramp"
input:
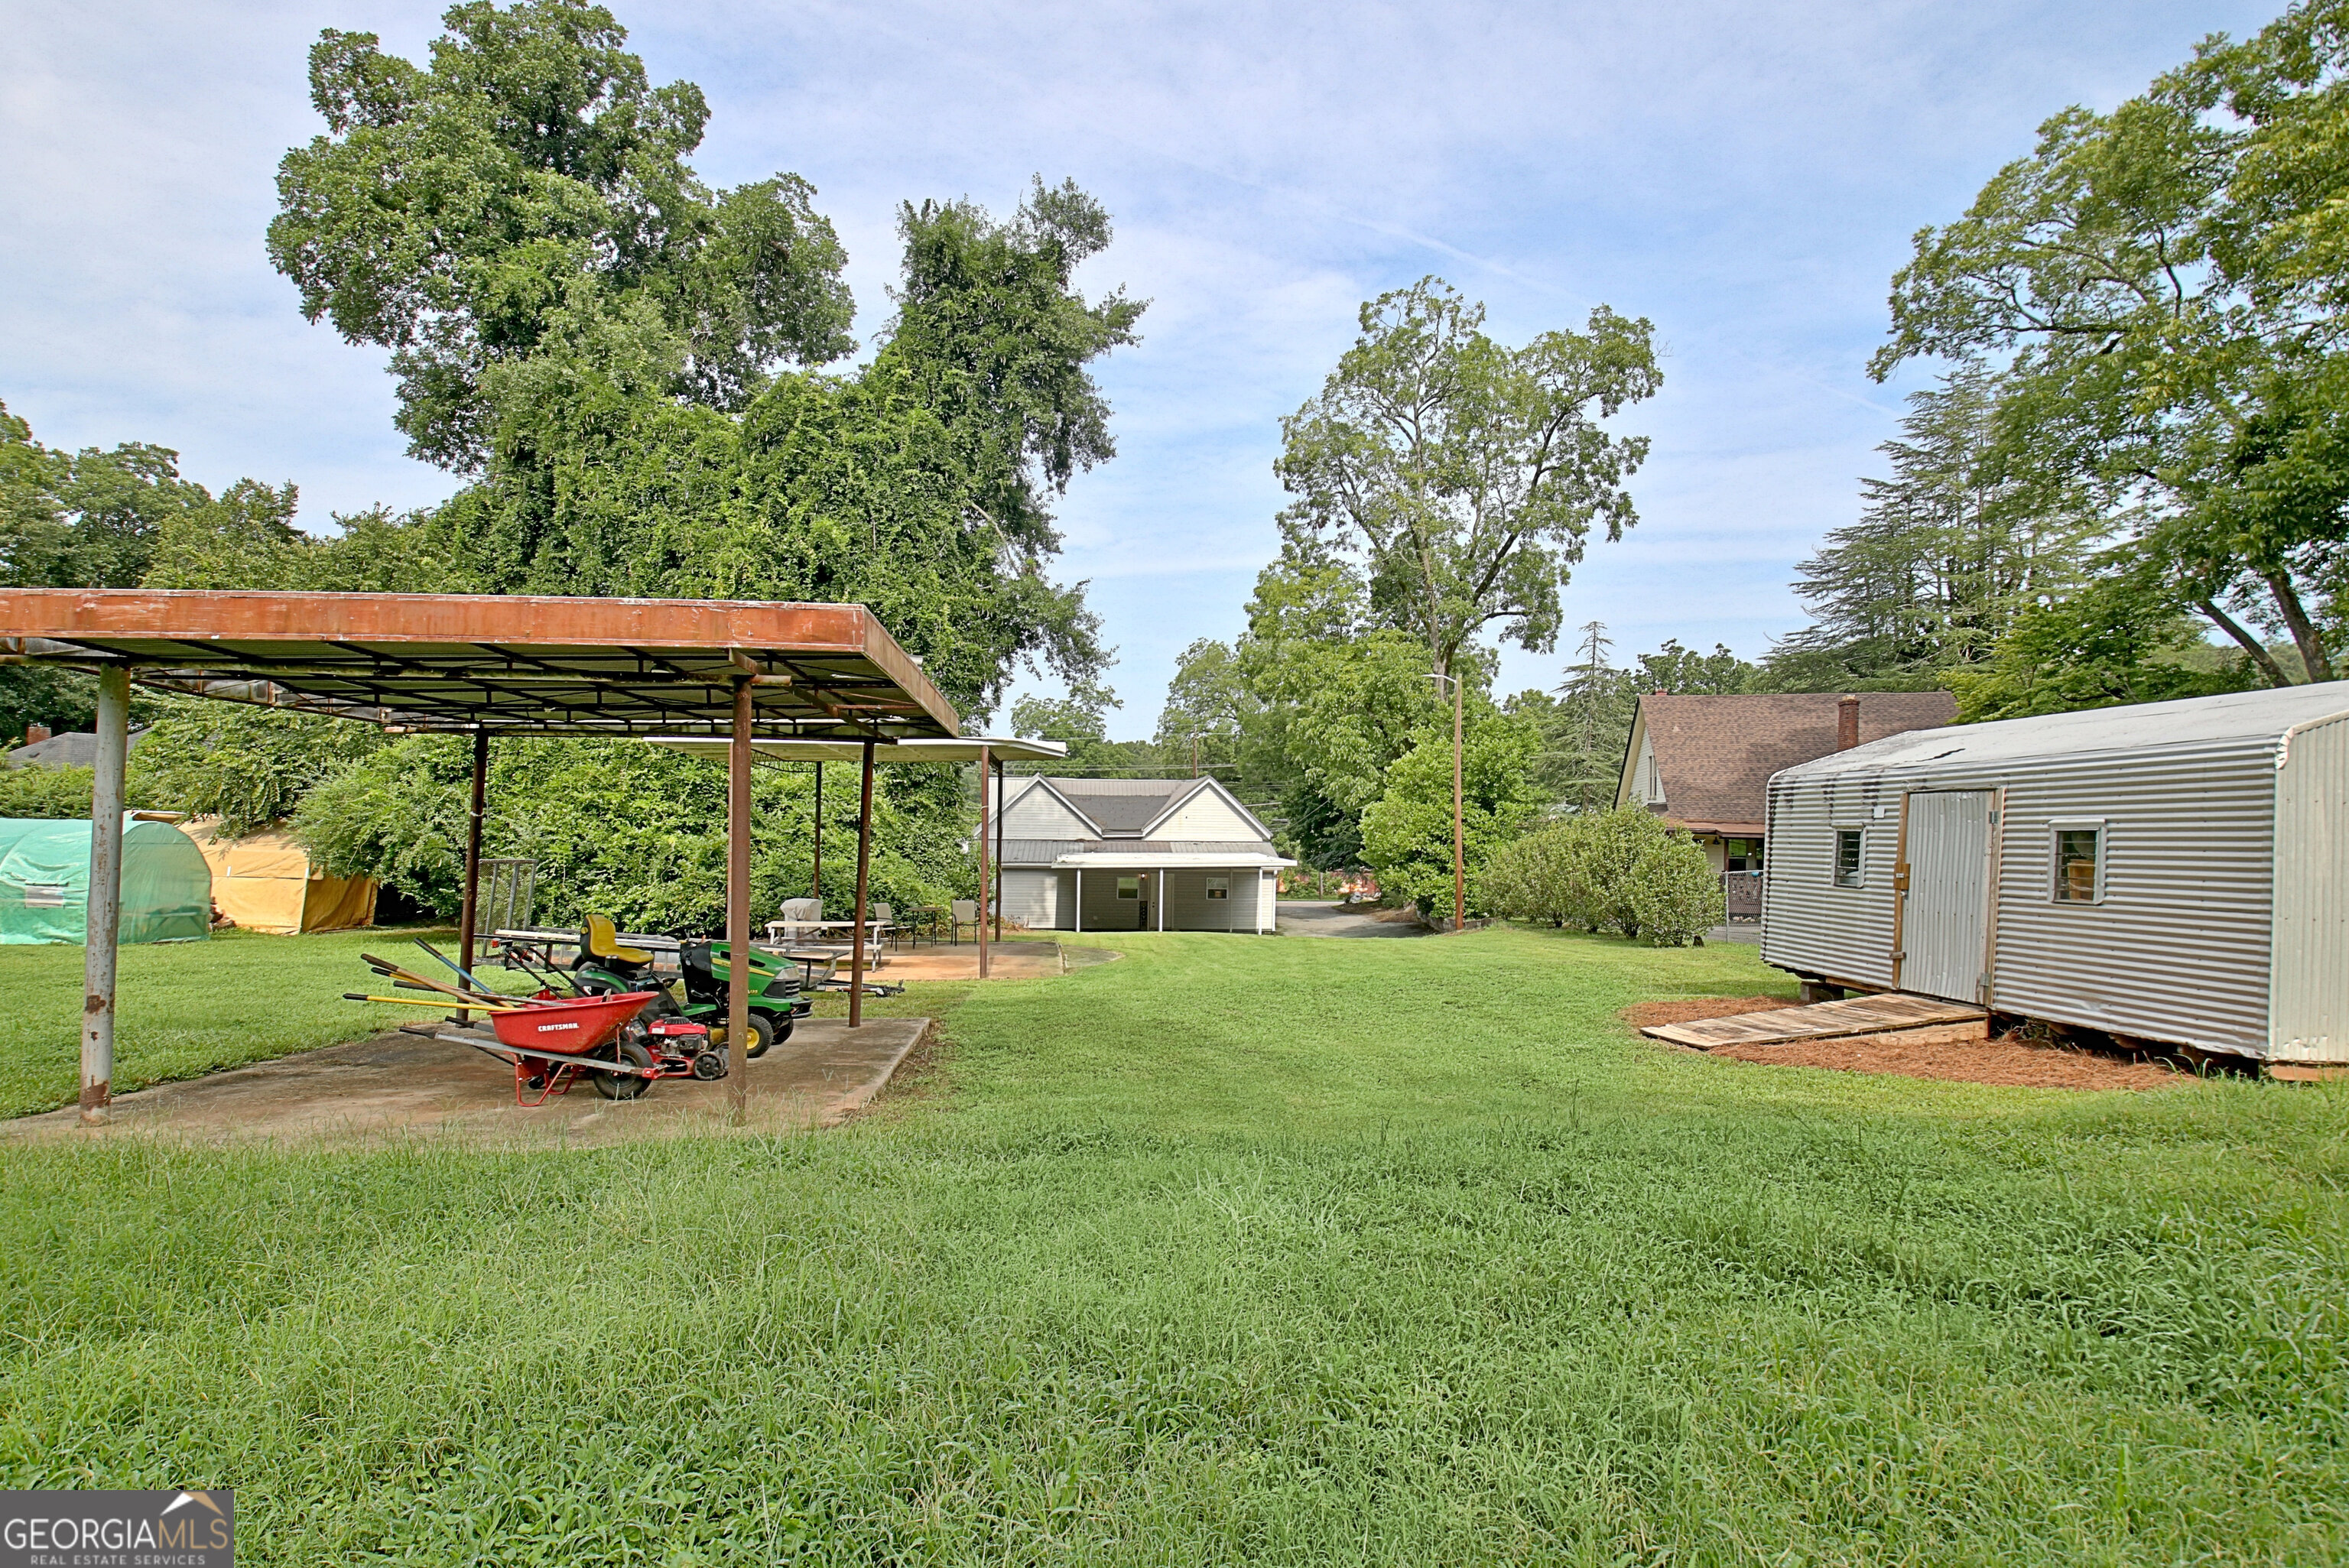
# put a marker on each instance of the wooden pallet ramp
(1820, 1021)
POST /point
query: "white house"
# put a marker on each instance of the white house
(1135, 854)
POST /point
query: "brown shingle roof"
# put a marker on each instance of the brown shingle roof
(1715, 754)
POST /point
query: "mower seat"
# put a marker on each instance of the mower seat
(604, 942)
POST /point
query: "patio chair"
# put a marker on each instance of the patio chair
(883, 926)
(964, 911)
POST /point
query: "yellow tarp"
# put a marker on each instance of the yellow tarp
(265, 883)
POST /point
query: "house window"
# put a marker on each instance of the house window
(1848, 860)
(1741, 854)
(1129, 887)
(1219, 887)
(2079, 862)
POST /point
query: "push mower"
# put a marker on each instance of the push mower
(620, 1040)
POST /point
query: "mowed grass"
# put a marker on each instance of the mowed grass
(186, 1008)
(1268, 1250)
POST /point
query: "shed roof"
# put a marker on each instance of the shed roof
(2248, 716)
(502, 664)
(1716, 754)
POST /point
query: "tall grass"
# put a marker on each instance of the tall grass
(1262, 1250)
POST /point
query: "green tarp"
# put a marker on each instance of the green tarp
(167, 889)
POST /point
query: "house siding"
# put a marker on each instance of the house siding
(1037, 813)
(2178, 950)
(1032, 898)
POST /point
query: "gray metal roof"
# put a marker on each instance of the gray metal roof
(1124, 805)
(74, 749)
(2140, 726)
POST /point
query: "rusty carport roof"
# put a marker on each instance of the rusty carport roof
(498, 663)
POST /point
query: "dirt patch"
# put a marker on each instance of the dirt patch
(2010, 1060)
(1648, 1015)
(1406, 914)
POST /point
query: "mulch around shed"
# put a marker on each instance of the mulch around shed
(1960, 1055)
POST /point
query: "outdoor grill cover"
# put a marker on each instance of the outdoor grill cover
(167, 889)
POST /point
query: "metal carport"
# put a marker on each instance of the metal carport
(483, 665)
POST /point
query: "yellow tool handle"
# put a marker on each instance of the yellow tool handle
(477, 1005)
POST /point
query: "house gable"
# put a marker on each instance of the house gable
(1208, 813)
(1039, 811)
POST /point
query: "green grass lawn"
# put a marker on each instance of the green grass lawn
(185, 1008)
(1282, 1251)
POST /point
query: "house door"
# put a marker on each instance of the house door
(1945, 923)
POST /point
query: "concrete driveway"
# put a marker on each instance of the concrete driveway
(1299, 918)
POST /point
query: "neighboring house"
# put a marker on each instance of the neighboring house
(1704, 763)
(1135, 854)
(2173, 871)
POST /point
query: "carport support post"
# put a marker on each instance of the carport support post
(998, 849)
(856, 934)
(737, 905)
(105, 907)
(986, 782)
(470, 920)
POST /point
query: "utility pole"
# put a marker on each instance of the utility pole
(1194, 754)
(1459, 835)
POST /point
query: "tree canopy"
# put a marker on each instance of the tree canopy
(525, 196)
(2164, 286)
(1465, 476)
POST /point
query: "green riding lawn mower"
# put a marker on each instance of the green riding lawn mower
(608, 966)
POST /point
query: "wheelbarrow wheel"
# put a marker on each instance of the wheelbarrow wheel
(624, 1086)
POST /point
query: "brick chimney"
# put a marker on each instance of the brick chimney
(36, 733)
(1846, 724)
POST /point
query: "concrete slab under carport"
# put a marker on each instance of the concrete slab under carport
(402, 1084)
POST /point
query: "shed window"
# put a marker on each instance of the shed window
(1219, 887)
(1848, 860)
(2079, 862)
(1129, 887)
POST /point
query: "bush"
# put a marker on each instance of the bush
(1676, 895)
(1621, 871)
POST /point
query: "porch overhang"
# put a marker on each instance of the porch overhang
(1106, 860)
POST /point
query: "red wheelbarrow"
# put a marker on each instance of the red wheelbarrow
(553, 1041)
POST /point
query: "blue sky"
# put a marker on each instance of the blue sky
(1745, 175)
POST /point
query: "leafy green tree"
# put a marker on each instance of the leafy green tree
(525, 197)
(93, 519)
(994, 336)
(1407, 831)
(250, 767)
(1965, 535)
(2163, 287)
(621, 829)
(1208, 705)
(2116, 641)
(1684, 672)
(1466, 477)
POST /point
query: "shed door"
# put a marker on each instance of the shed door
(1945, 925)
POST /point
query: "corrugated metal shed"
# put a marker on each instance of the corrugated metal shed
(2211, 909)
